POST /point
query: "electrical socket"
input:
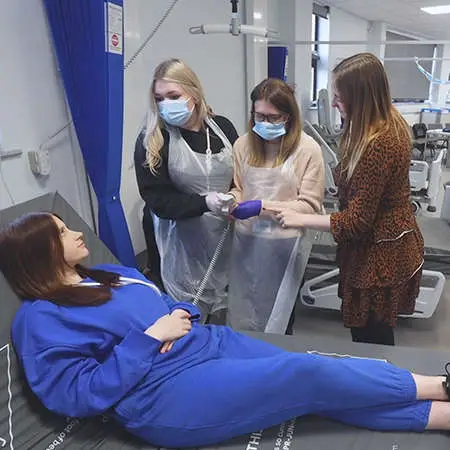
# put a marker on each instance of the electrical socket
(40, 163)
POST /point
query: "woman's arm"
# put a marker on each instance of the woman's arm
(71, 383)
(290, 218)
(158, 191)
(369, 183)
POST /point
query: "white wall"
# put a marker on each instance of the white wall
(342, 26)
(218, 60)
(346, 27)
(410, 111)
(33, 107)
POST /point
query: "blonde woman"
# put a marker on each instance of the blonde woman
(380, 247)
(183, 160)
(275, 165)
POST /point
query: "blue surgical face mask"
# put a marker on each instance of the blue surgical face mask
(269, 131)
(175, 112)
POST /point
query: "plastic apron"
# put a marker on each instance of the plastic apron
(187, 246)
(267, 262)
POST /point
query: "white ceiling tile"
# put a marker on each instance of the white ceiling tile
(402, 14)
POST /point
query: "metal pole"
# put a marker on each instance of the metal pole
(411, 58)
(422, 42)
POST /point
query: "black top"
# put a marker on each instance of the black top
(159, 193)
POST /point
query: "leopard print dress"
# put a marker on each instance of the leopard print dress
(380, 248)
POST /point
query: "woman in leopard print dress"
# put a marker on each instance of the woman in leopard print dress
(379, 245)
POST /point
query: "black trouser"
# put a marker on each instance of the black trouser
(153, 271)
(373, 332)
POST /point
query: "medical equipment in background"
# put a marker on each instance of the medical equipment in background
(329, 157)
(322, 292)
(425, 177)
(234, 27)
(428, 75)
(327, 128)
(445, 213)
(425, 180)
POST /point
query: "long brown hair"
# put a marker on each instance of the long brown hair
(281, 96)
(32, 261)
(175, 71)
(363, 89)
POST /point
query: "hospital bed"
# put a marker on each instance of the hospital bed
(26, 424)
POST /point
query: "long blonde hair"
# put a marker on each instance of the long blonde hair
(281, 96)
(363, 88)
(174, 71)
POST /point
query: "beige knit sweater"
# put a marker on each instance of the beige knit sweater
(308, 166)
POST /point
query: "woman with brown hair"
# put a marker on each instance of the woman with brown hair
(380, 248)
(275, 165)
(106, 341)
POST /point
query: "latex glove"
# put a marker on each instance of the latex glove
(228, 203)
(213, 202)
(219, 203)
(247, 209)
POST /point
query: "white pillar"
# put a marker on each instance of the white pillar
(293, 21)
(286, 29)
(376, 33)
(256, 13)
(303, 54)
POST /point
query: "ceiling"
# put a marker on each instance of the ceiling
(403, 15)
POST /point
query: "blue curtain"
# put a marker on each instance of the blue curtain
(277, 58)
(90, 58)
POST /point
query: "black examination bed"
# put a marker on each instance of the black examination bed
(25, 424)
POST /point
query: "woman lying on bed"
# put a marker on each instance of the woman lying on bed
(105, 340)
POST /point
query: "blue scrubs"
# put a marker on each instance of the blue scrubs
(214, 384)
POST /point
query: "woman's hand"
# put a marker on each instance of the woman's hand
(182, 313)
(167, 346)
(289, 218)
(170, 327)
